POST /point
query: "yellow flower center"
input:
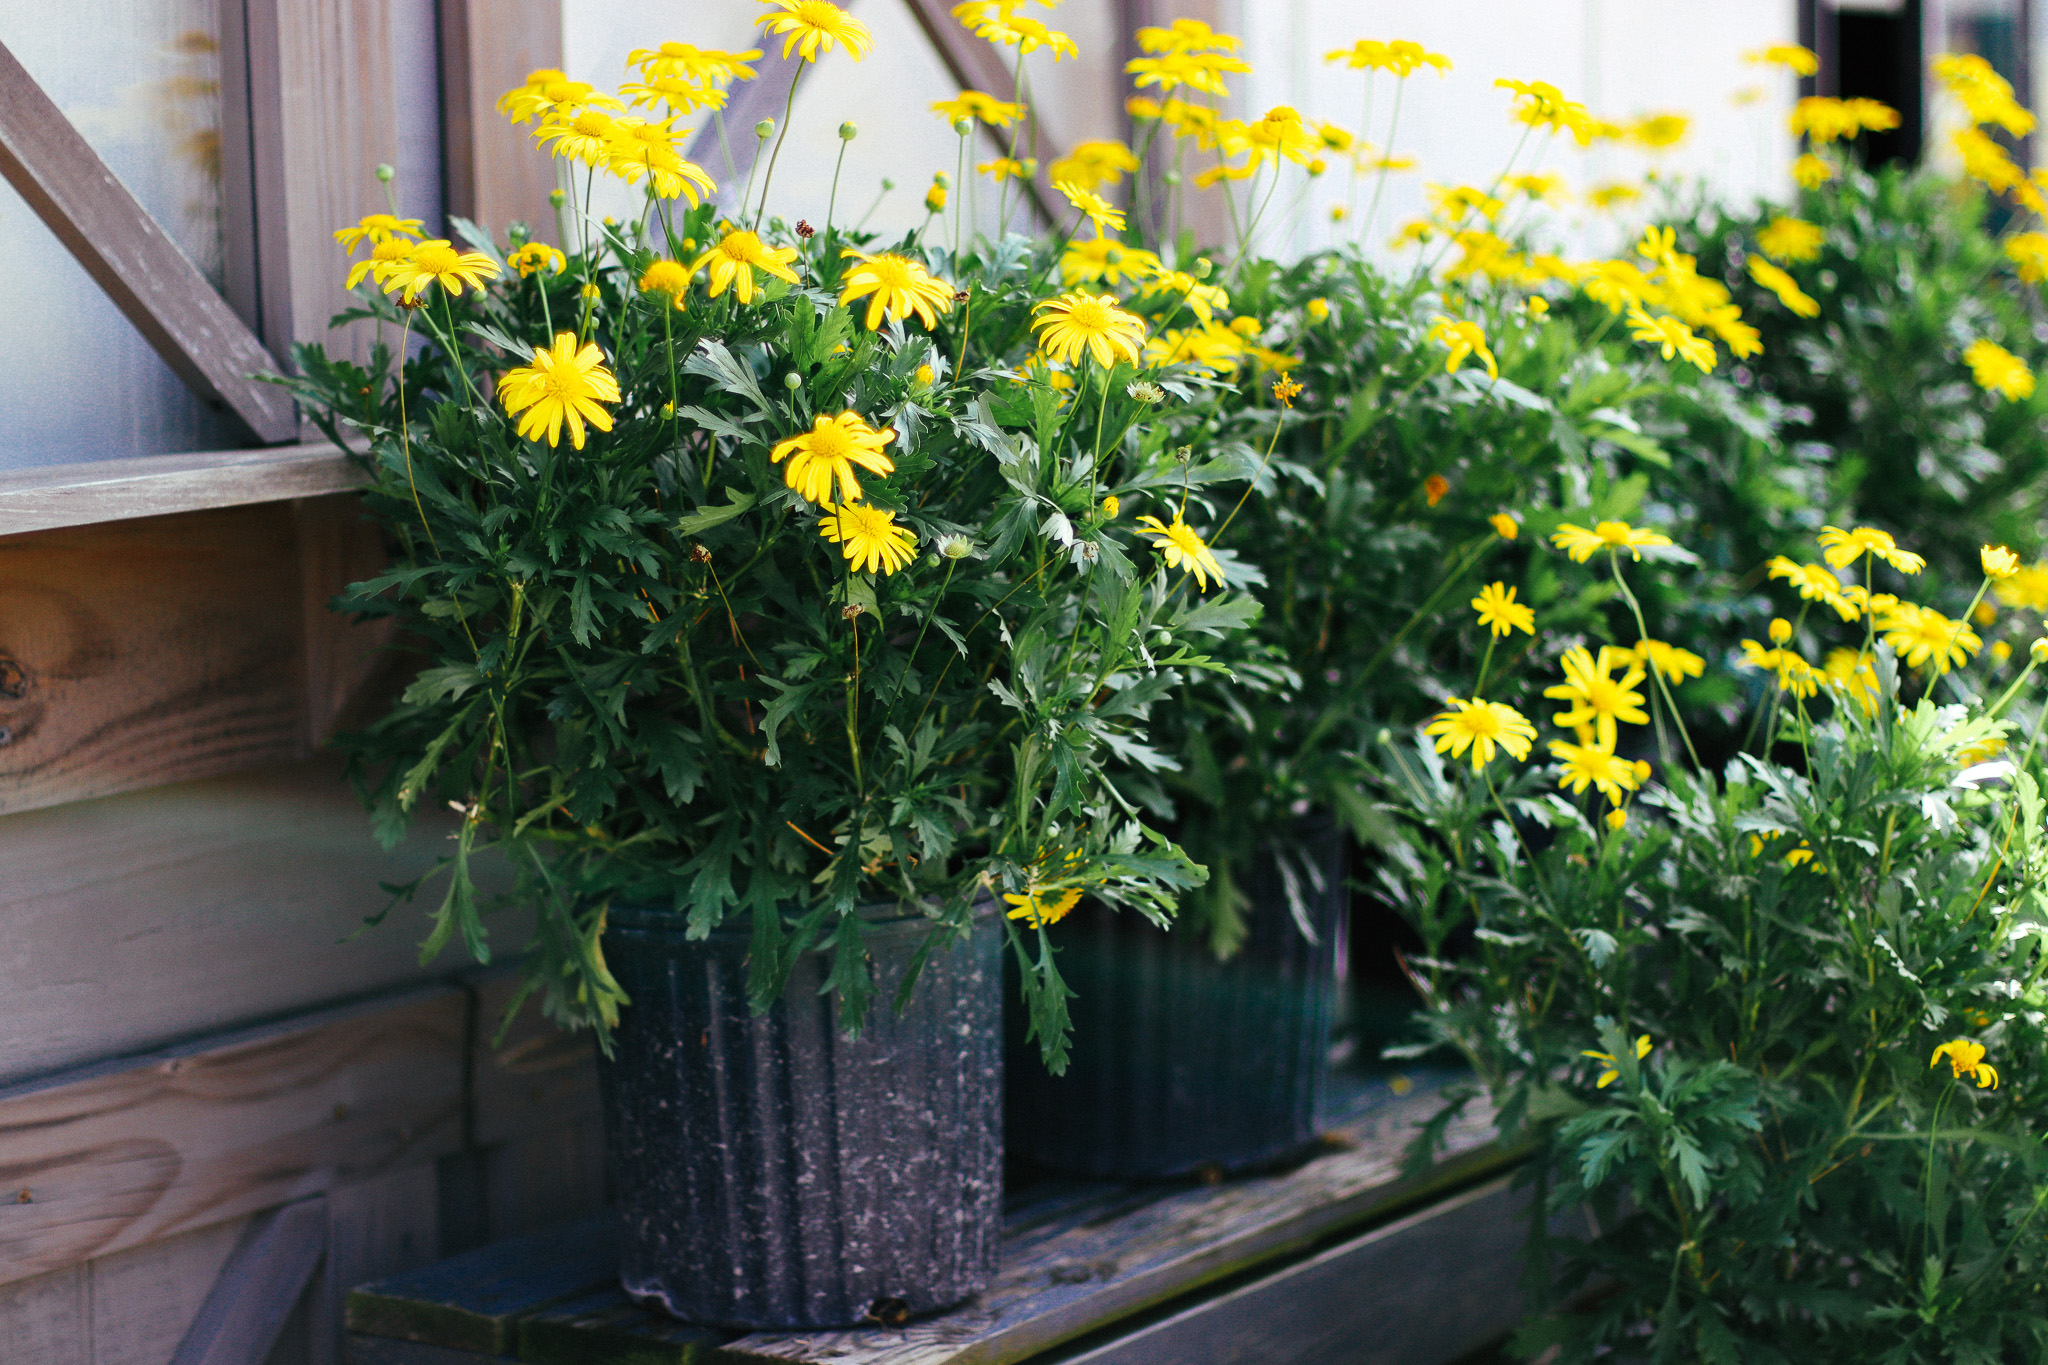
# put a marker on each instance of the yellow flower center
(1087, 315)
(892, 272)
(742, 247)
(434, 259)
(818, 14)
(829, 442)
(593, 123)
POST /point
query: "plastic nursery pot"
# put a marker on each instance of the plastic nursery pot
(774, 1174)
(1181, 1063)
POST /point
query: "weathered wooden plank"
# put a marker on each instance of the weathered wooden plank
(143, 1299)
(375, 1228)
(338, 544)
(52, 496)
(492, 172)
(475, 1302)
(538, 1079)
(139, 920)
(1072, 1274)
(149, 652)
(124, 1153)
(48, 1320)
(1426, 1290)
(159, 291)
(258, 1289)
(1076, 1259)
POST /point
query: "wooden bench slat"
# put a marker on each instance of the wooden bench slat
(474, 1302)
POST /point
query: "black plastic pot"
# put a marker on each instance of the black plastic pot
(774, 1174)
(1180, 1062)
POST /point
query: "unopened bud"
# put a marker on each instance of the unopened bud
(887, 184)
(1203, 265)
(557, 198)
(2038, 651)
(955, 546)
(851, 610)
(385, 174)
(847, 132)
(1781, 630)
(792, 381)
(700, 553)
(765, 129)
(942, 180)
(963, 126)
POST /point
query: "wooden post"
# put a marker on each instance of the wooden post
(493, 173)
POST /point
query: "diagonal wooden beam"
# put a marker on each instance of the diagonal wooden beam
(765, 96)
(149, 279)
(976, 65)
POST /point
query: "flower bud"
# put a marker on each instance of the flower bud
(887, 184)
(1781, 630)
(2038, 651)
(942, 180)
(847, 132)
(385, 174)
(792, 381)
(1144, 391)
(765, 129)
(1616, 819)
(955, 546)
(557, 198)
(1203, 265)
(963, 126)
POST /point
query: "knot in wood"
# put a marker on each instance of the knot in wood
(13, 680)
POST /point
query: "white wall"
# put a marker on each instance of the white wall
(1622, 58)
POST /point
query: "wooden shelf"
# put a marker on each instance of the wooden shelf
(1082, 1261)
(155, 485)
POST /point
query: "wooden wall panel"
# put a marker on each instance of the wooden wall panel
(192, 1137)
(143, 1300)
(539, 1079)
(147, 652)
(48, 1320)
(494, 174)
(337, 545)
(139, 920)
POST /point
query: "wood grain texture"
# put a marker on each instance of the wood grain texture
(155, 1146)
(159, 290)
(48, 1320)
(54, 496)
(336, 119)
(135, 921)
(149, 652)
(1426, 1290)
(1077, 1257)
(493, 172)
(538, 1080)
(338, 544)
(258, 1289)
(144, 1299)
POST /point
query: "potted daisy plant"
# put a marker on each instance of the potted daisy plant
(780, 660)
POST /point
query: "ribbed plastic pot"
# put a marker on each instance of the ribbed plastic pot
(1182, 1063)
(773, 1173)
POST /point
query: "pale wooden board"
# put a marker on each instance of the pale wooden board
(144, 1299)
(338, 120)
(53, 496)
(156, 287)
(539, 1078)
(149, 652)
(494, 173)
(1077, 1272)
(48, 1320)
(179, 1140)
(135, 921)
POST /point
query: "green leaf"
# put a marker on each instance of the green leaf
(704, 518)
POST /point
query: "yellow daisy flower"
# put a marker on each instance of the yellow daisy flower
(1107, 260)
(672, 60)
(565, 382)
(1854, 675)
(1462, 337)
(733, 261)
(1998, 370)
(1597, 699)
(1784, 286)
(1674, 663)
(828, 452)
(2026, 587)
(438, 262)
(375, 228)
(1843, 548)
(633, 159)
(586, 136)
(895, 287)
(1811, 172)
(1590, 765)
(1998, 561)
(384, 258)
(1919, 634)
(1800, 61)
(1966, 1058)
(1504, 526)
(1582, 544)
(814, 26)
(870, 537)
(667, 277)
(1791, 239)
(1815, 584)
(538, 256)
(1094, 164)
(1081, 321)
(1672, 337)
(1040, 908)
(1182, 548)
(1499, 611)
(1613, 1072)
(985, 109)
(1100, 211)
(1483, 727)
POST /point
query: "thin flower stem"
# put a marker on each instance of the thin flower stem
(1485, 661)
(768, 179)
(1372, 209)
(732, 168)
(1656, 678)
(832, 201)
(1279, 420)
(405, 436)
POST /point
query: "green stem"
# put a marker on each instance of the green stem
(768, 179)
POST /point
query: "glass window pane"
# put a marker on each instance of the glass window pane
(140, 79)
